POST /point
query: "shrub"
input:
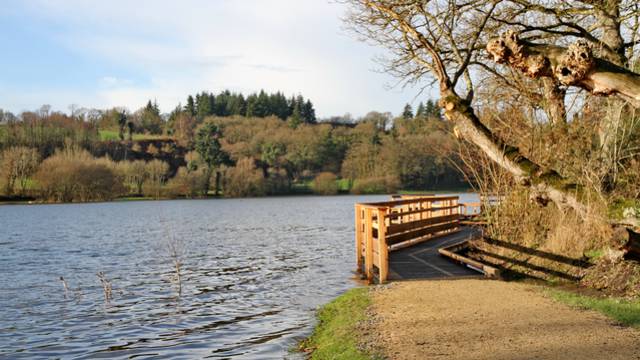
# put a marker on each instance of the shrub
(134, 174)
(152, 150)
(376, 185)
(244, 180)
(74, 175)
(190, 184)
(17, 164)
(325, 184)
(277, 183)
(157, 171)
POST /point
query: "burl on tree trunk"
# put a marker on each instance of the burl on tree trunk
(572, 66)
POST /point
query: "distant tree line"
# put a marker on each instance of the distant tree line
(297, 109)
(85, 156)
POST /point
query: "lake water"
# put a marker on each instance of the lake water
(253, 272)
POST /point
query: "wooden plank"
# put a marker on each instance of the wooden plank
(383, 251)
(450, 252)
(394, 215)
(358, 220)
(420, 240)
(368, 257)
(400, 228)
(408, 201)
(420, 232)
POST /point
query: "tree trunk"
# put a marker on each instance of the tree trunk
(554, 96)
(207, 183)
(608, 17)
(217, 183)
(547, 185)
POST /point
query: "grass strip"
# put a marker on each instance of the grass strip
(624, 311)
(335, 335)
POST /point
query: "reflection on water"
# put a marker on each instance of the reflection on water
(253, 272)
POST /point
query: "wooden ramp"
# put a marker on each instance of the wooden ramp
(422, 261)
(399, 239)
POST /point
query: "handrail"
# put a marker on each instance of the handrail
(386, 226)
(404, 201)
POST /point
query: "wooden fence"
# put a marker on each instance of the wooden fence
(387, 226)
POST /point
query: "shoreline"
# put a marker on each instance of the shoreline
(33, 201)
(392, 320)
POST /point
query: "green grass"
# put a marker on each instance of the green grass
(624, 311)
(301, 187)
(112, 135)
(343, 185)
(617, 207)
(135, 198)
(335, 335)
(109, 135)
(594, 254)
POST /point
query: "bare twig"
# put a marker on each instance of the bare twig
(106, 286)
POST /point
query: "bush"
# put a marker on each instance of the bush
(134, 174)
(190, 184)
(277, 183)
(244, 180)
(326, 183)
(74, 175)
(17, 164)
(157, 171)
(376, 185)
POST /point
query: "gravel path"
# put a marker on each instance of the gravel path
(481, 319)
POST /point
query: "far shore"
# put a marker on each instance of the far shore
(34, 201)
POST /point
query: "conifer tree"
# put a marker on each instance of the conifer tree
(210, 150)
(308, 112)
(190, 108)
(296, 116)
(420, 112)
(203, 106)
(431, 109)
(251, 105)
(407, 113)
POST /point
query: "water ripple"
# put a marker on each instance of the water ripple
(254, 270)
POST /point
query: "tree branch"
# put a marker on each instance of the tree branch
(572, 66)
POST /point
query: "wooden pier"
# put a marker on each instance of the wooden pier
(403, 223)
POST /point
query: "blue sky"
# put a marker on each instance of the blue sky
(122, 53)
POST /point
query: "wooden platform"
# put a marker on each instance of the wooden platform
(422, 261)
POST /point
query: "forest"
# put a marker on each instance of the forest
(222, 145)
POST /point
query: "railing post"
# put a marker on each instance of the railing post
(383, 249)
(368, 247)
(359, 238)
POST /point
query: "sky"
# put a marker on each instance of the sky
(100, 54)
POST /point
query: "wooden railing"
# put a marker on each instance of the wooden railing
(470, 208)
(387, 226)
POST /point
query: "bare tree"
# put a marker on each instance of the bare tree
(585, 45)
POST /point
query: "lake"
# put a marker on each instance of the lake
(252, 273)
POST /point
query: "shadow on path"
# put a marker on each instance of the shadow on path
(422, 261)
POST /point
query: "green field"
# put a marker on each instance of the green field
(112, 135)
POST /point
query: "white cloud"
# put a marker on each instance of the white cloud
(112, 81)
(179, 48)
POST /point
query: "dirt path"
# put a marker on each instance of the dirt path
(480, 319)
